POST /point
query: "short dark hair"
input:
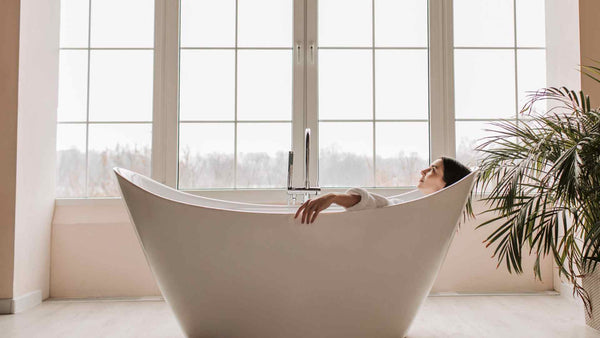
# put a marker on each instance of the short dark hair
(454, 171)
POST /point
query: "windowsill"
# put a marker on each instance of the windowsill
(247, 195)
(262, 195)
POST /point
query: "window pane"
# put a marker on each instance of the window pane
(402, 85)
(400, 23)
(122, 23)
(265, 23)
(345, 154)
(488, 23)
(345, 23)
(70, 160)
(402, 151)
(207, 23)
(72, 85)
(206, 155)
(264, 84)
(345, 84)
(484, 83)
(116, 145)
(469, 135)
(121, 85)
(207, 88)
(531, 65)
(74, 17)
(263, 154)
(531, 29)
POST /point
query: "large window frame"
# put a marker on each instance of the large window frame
(165, 114)
(305, 90)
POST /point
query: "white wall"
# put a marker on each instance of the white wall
(36, 144)
(29, 37)
(95, 253)
(562, 44)
(563, 52)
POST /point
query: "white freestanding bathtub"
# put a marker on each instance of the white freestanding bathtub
(230, 269)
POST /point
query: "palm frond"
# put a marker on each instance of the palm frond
(542, 178)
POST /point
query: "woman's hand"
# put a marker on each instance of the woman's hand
(313, 207)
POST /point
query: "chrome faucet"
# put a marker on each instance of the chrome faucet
(307, 157)
(306, 191)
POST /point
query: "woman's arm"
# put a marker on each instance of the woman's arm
(353, 199)
(313, 207)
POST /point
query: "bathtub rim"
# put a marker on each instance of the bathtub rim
(285, 209)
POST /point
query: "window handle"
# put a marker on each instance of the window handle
(312, 53)
(298, 52)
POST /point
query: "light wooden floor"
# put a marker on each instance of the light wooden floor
(442, 316)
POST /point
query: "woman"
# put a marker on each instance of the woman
(443, 172)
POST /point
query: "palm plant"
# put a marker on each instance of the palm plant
(541, 176)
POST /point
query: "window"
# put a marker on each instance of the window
(499, 58)
(373, 95)
(235, 93)
(105, 94)
(213, 94)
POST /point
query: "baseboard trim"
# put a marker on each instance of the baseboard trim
(433, 294)
(470, 294)
(21, 303)
(108, 299)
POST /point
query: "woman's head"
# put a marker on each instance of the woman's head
(443, 172)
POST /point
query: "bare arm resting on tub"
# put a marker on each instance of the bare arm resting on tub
(313, 207)
(352, 199)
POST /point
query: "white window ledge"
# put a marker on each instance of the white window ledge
(240, 195)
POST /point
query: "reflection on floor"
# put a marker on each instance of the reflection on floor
(447, 316)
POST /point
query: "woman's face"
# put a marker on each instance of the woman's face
(432, 178)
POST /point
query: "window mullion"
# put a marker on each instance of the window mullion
(312, 89)
(298, 95)
(441, 80)
(165, 112)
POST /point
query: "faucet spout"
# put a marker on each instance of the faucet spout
(290, 169)
(307, 157)
(307, 190)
